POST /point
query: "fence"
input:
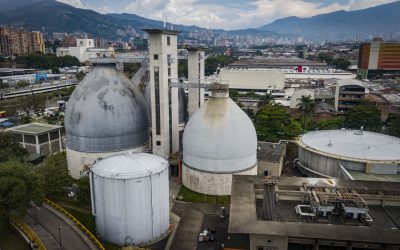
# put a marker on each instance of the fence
(29, 233)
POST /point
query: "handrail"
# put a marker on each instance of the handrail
(78, 223)
(29, 233)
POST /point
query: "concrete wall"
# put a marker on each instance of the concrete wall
(269, 242)
(210, 183)
(195, 75)
(274, 168)
(78, 160)
(253, 79)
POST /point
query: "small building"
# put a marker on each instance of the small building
(283, 213)
(84, 50)
(270, 158)
(39, 138)
(349, 93)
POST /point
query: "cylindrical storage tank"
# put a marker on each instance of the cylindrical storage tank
(219, 140)
(130, 198)
(106, 114)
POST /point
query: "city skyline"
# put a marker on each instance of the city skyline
(234, 14)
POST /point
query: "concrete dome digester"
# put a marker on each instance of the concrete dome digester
(105, 115)
(219, 140)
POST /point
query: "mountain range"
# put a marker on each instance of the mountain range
(54, 16)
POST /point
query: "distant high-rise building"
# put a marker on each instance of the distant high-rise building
(378, 58)
(17, 41)
(59, 36)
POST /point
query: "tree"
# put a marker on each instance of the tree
(3, 85)
(19, 186)
(394, 125)
(265, 99)
(33, 103)
(55, 171)
(22, 84)
(10, 148)
(183, 68)
(273, 123)
(367, 116)
(130, 69)
(306, 106)
(332, 123)
(83, 193)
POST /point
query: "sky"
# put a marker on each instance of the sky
(226, 14)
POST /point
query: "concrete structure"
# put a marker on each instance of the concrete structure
(84, 50)
(270, 158)
(39, 138)
(219, 141)
(258, 80)
(163, 68)
(278, 63)
(105, 115)
(378, 58)
(195, 75)
(296, 97)
(335, 152)
(375, 227)
(349, 93)
(130, 198)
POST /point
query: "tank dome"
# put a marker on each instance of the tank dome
(220, 137)
(106, 113)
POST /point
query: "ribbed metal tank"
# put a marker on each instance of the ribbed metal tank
(130, 198)
(219, 140)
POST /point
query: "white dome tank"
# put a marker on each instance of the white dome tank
(130, 198)
(106, 114)
(219, 140)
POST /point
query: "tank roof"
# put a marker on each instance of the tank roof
(220, 138)
(129, 166)
(106, 113)
(355, 145)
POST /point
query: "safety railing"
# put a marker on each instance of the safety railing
(38, 243)
(78, 223)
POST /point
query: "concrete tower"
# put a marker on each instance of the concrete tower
(163, 54)
(195, 75)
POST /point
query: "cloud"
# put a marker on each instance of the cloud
(227, 14)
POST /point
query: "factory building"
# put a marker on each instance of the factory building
(105, 115)
(257, 80)
(219, 141)
(313, 213)
(130, 198)
(350, 154)
(379, 58)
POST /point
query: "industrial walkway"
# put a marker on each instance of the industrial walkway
(47, 228)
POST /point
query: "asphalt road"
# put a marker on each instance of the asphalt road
(70, 240)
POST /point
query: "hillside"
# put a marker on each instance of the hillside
(382, 20)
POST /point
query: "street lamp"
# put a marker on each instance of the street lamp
(59, 235)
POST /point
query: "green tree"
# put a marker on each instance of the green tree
(331, 123)
(306, 106)
(19, 186)
(394, 125)
(213, 62)
(22, 84)
(83, 193)
(55, 171)
(367, 116)
(265, 99)
(273, 123)
(130, 69)
(183, 68)
(3, 85)
(10, 147)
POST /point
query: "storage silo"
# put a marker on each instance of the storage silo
(219, 140)
(130, 198)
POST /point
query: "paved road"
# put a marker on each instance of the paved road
(70, 240)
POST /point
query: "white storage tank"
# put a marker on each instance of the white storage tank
(130, 198)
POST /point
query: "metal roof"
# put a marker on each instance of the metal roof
(220, 138)
(34, 128)
(351, 144)
(344, 82)
(106, 113)
(129, 166)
